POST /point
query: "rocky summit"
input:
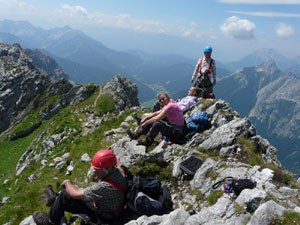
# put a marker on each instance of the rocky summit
(54, 135)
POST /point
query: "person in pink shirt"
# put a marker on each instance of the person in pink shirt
(173, 129)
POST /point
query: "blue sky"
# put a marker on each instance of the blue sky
(233, 27)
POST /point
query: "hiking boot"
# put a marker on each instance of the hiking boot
(50, 195)
(41, 218)
(147, 142)
(133, 135)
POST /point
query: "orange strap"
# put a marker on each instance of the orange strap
(116, 185)
(209, 68)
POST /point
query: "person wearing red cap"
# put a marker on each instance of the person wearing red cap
(103, 200)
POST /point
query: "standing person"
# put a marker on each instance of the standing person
(103, 200)
(203, 70)
(174, 129)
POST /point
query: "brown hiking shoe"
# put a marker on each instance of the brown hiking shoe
(133, 135)
(41, 218)
(50, 195)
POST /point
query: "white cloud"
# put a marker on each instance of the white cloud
(75, 10)
(14, 9)
(238, 28)
(284, 30)
(81, 15)
(77, 16)
(273, 2)
(194, 31)
(267, 14)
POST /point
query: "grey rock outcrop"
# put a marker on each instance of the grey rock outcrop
(22, 85)
(46, 64)
(270, 98)
(124, 92)
(265, 213)
(20, 82)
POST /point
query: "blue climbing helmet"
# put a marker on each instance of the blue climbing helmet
(208, 49)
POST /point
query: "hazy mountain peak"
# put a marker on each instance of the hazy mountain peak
(268, 65)
(267, 53)
(260, 56)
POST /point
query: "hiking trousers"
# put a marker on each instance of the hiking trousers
(65, 203)
(204, 82)
(165, 129)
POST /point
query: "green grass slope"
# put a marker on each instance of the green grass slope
(25, 197)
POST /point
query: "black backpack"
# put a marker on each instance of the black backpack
(147, 197)
(235, 185)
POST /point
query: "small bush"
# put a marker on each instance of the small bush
(188, 206)
(249, 154)
(212, 175)
(223, 166)
(273, 198)
(105, 104)
(239, 209)
(199, 195)
(283, 177)
(90, 86)
(214, 196)
(290, 218)
(146, 169)
(207, 103)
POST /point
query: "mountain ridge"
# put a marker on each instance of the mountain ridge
(78, 120)
(271, 100)
(77, 47)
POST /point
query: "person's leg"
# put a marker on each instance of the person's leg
(139, 132)
(64, 202)
(177, 137)
(160, 127)
(200, 84)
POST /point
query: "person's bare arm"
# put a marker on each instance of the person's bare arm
(162, 114)
(151, 115)
(72, 190)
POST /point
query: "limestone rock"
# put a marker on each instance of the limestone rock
(85, 158)
(265, 213)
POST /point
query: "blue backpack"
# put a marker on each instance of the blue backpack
(197, 121)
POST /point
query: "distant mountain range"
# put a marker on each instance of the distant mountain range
(87, 60)
(271, 99)
(259, 92)
(260, 56)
